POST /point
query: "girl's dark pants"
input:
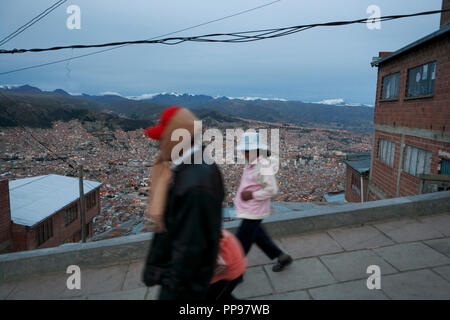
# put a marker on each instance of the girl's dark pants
(251, 231)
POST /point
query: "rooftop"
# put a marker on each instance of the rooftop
(34, 199)
(408, 238)
(359, 162)
(442, 31)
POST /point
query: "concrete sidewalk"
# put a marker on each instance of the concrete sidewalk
(413, 256)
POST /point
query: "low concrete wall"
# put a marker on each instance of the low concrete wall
(129, 248)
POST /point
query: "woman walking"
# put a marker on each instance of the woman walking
(252, 202)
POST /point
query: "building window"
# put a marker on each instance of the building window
(417, 161)
(71, 214)
(386, 151)
(445, 167)
(390, 86)
(44, 231)
(421, 80)
(91, 200)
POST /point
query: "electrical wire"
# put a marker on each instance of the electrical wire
(32, 22)
(125, 45)
(234, 37)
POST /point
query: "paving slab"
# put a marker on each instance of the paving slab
(6, 289)
(99, 280)
(407, 230)
(135, 294)
(439, 222)
(441, 245)
(353, 265)
(44, 288)
(255, 284)
(310, 245)
(295, 295)
(356, 238)
(444, 271)
(301, 274)
(133, 277)
(409, 256)
(413, 285)
(353, 290)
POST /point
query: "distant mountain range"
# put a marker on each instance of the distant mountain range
(39, 108)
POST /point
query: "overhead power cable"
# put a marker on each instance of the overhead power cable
(32, 22)
(233, 37)
(125, 45)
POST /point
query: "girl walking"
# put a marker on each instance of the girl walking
(252, 202)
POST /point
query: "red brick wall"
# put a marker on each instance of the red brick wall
(25, 238)
(409, 185)
(423, 113)
(445, 17)
(350, 194)
(373, 197)
(20, 237)
(426, 113)
(384, 177)
(5, 217)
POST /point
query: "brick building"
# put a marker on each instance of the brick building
(45, 210)
(357, 177)
(6, 244)
(412, 116)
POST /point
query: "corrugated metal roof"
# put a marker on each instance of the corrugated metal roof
(34, 199)
(362, 165)
(410, 46)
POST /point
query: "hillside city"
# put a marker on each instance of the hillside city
(310, 163)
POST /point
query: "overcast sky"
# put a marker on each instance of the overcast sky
(317, 64)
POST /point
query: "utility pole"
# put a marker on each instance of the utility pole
(82, 207)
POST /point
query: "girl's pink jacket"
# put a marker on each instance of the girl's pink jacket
(258, 177)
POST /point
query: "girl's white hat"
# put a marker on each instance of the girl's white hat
(251, 141)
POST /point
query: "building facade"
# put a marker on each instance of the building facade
(45, 211)
(357, 177)
(412, 116)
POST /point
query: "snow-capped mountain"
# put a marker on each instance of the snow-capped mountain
(341, 102)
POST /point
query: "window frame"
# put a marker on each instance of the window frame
(383, 87)
(414, 161)
(71, 215)
(44, 231)
(91, 200)
(429, 79)
(386, 151)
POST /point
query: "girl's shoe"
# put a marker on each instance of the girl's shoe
(283, 261)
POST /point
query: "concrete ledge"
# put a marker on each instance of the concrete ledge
(124, 249)
(355, 214)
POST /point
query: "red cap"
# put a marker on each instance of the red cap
(156, 132)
